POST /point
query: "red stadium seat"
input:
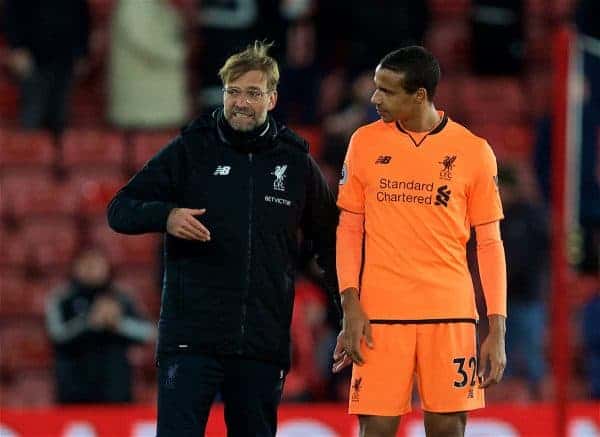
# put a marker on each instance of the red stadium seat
(562, 9)
(96, 175)
(446, 99)
(3, 202)
(538, 50)
(14, 253)
(95, 196)
(14, 181)
(27, 389)
(96, 186)
(18, 149)
(101, 9)
(130, 250)
(91, 147)
(39, 196)
(308, 322)
(536, 8)
(21, 296)
(14, 178)
(146, 144)
(9, 100)
(14, 249)
(539, 92)
(88, 100)
(445, 8)
(24, 345)
(509, 141)
(493, 100)
(14, 294)
(52, 243)
(313, 135)
(448, 40)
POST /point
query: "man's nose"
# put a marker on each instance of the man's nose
(375, 97)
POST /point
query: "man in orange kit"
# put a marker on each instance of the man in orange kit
(413, 185)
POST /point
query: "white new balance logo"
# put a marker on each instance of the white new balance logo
(222, 170)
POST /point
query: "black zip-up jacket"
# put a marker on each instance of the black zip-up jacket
(234, 294)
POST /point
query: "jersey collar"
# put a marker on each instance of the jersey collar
(440, 126)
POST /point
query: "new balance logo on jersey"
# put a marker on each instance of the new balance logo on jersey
(443, 195)
(383, 159)
(222, 170)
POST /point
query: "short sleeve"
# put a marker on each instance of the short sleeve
(484, 204)
(351, 196)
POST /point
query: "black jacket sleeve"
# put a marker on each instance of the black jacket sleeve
(319, 224)
(144, 204)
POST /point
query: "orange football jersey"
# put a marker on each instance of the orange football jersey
(420, 197)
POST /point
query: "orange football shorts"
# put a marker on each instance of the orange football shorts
(441, 357)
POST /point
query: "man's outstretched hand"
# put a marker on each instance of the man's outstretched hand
(182, 223)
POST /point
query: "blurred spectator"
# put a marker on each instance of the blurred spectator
(357, 111)
(588, 17)
(299, 88)
(304, 381)
(92, 324)
(229, 26)
(525, 235)
(147, 69)
(497, 36)
(591, 343)
(48, 47)
(588, 26)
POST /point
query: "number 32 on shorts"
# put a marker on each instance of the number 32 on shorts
(463, 376)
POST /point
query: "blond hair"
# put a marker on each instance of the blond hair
(255, 57)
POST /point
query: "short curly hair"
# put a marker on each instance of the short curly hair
(421, 69)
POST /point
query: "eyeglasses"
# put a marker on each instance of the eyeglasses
(250, 96)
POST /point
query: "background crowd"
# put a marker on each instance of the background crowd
(89, 90)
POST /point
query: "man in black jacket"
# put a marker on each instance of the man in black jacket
(232, 192)
(48, 44)
(92, 323)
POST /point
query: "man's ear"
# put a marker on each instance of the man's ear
(272, 100)
(421, 95)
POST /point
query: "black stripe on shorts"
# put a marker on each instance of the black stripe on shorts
(420, 321)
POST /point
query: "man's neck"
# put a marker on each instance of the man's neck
(423, 121)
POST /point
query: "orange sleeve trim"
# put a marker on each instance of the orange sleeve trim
(492, 267)
(350, 234)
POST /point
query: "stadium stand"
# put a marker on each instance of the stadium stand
(54, 191)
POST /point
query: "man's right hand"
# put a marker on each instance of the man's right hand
(355, 326)
(20, 62)
(181, 223)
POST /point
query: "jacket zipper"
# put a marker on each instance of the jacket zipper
(250, 201)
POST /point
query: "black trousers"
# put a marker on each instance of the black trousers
(188, 384)
(93, 376)
(45, 97)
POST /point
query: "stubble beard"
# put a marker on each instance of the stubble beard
(242, 123)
